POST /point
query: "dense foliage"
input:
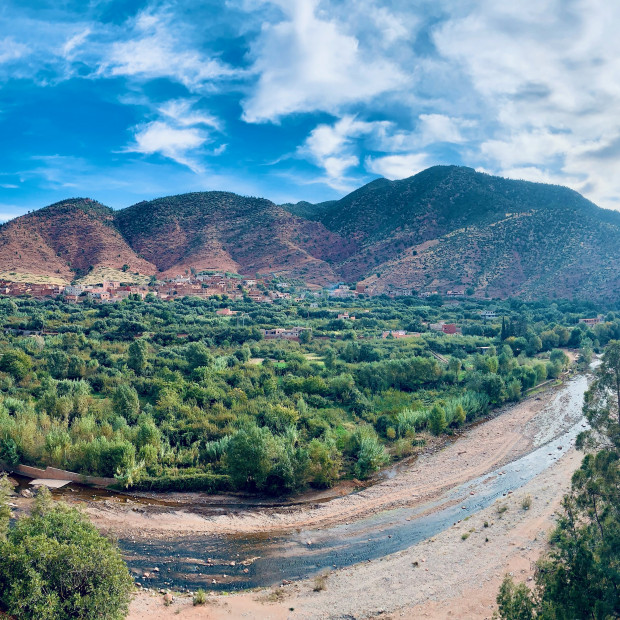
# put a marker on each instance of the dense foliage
(54, 565)
(580, 575)
(165, 395)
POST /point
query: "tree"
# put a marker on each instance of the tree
(126, 403)
(579, 577)
(454, 366)
(437, 420)
(16, 363)
(54, 565)
(602, 400)
(138, 356)
(370, 454)
(459, 415)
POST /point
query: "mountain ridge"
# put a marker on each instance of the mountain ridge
(443, 228)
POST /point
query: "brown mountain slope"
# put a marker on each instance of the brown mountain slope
(64, 240)
(444, 228)
(220, 230)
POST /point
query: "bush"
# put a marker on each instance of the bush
(200, 598)
(371, 455)
(208, 483)
(54, 565)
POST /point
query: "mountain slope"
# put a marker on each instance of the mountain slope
(444, 228)
(224, 231)
(66, 239)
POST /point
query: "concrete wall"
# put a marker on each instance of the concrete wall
(51, 473)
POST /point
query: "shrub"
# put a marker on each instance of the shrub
(207, 482)
(526, 502)
(371, 455)
(200, 598)
(320, 583)
(54, 565)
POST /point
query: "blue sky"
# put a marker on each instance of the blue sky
(301, 99)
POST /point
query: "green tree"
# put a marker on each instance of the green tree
(602, 400)
(459, 415)
(580, 575)
(138, 356)
(126, 403)
(54, 565)
(437, 420)
(16, 363)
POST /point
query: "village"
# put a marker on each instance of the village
(232, 286)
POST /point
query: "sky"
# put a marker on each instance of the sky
(123, 101)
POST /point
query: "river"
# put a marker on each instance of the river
(229, 562)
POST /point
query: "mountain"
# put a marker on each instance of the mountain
(444, 228)
(224, 231)
(65, 240)
(450, 226)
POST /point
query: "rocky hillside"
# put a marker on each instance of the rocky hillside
(445, 228)
(450, 226)
(223, 231)
(65, 240)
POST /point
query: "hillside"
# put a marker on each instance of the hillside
(65, 240)
(450, 226)
(444, 228)
(224, 231)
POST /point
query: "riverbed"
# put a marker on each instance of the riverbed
(183, 550)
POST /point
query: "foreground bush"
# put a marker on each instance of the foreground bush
(54, 565)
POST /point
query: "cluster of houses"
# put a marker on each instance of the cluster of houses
(342, 291)
(17, 289)
(234, 287)
(450, 329)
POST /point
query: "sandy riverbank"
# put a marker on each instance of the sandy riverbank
(453, 577)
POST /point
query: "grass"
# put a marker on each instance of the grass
(502, 509)
(31, 278)
(275, 596)
(97, 276)
(526, 502)
(200, 598)
(465, 536)
(320, 583)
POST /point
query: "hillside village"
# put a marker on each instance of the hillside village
(204, 285)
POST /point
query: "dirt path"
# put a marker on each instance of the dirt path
(480, 449)
(446, 577)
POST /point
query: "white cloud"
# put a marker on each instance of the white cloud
(546, 74)
(75, 42)
(179, 133)
(160, 137)
(181, 112)
(333, 147)
(153, 49)
(398, 166)
(11, 50)
(442, 128)
(307, 62)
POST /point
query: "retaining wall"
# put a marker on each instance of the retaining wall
(51, 473)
